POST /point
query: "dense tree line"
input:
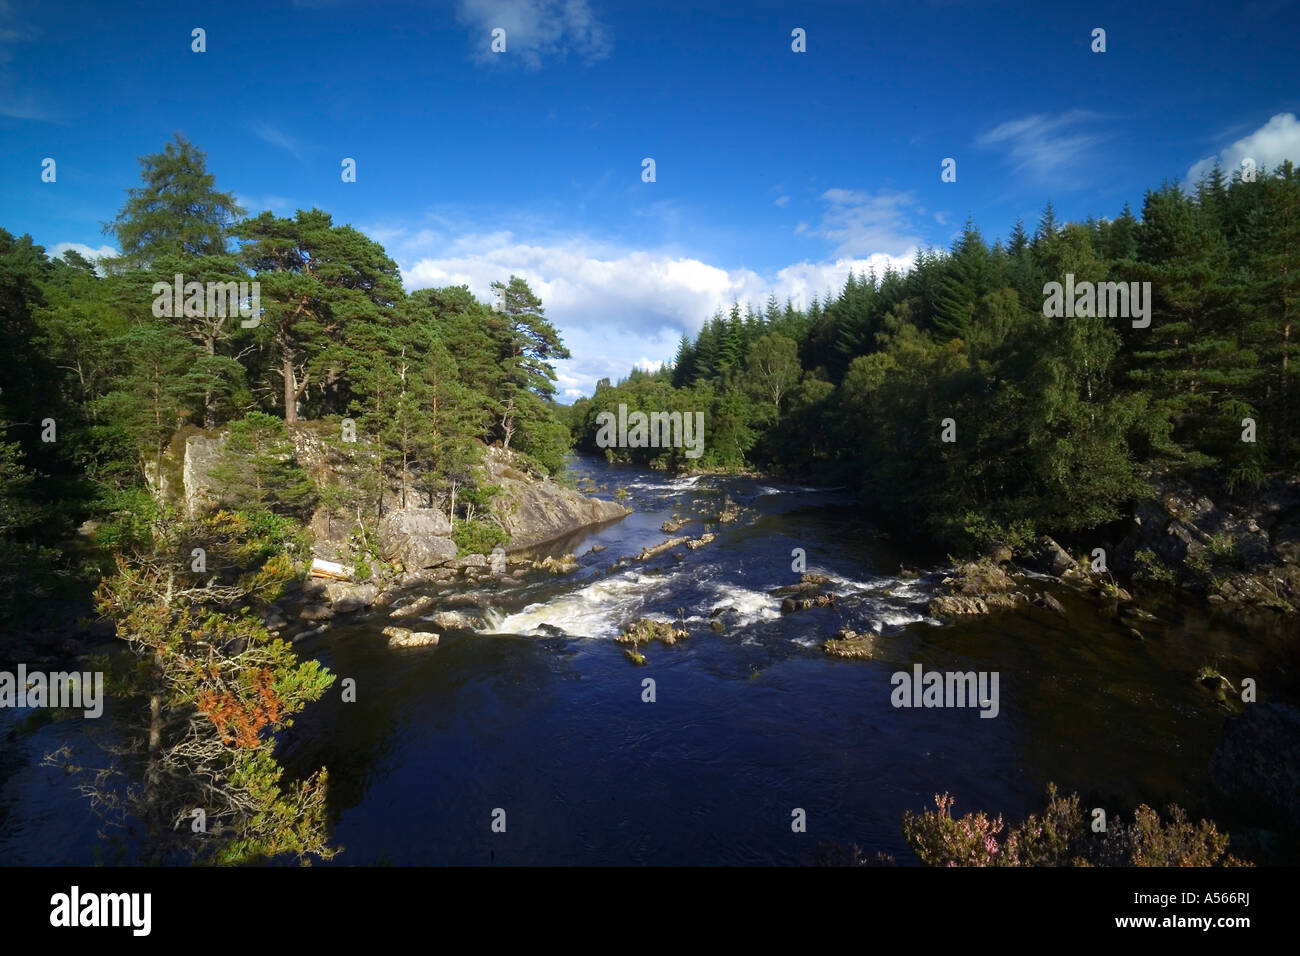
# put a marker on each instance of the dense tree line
(101, 377)
(1057, 420)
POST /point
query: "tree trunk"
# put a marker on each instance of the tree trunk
(290, 390)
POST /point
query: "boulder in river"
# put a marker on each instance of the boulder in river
(647, 629)
(405, 637)
(851, 644)
(791, 604)
(810, 583)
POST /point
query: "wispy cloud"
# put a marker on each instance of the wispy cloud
(1048, 148)
(860, 223)
(15, 104)
(781, 201)
(277, 137)
(1276, 140)
(536, 30)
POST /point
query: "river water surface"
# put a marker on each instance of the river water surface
(540, 714)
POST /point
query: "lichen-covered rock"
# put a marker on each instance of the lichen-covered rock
(417, 537)
(673, 524)
(455, 621)
(701, 541)
(535, 510)
(647, 629)
(851, 644)
(566, 564)
(657, 549)
(346, 598)
(405, 637)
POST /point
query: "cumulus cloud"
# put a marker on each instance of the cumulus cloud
(93, 253)
(616, 307)
(1048, 148)
(536, 30)
(1276, 140)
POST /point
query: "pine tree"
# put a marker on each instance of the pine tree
(178, 211)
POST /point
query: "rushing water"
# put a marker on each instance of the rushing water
(540, 714)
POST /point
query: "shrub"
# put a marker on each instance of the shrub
(1062, 836)
(477, 537)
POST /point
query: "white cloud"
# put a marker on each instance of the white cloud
(277, 137)
(615, 307)
(782, 201)
(1276, 140)
(861, 223)
(536, 30)
(1046, 147)
(93, 253)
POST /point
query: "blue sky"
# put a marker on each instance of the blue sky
(776, 171)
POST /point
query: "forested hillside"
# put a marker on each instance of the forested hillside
(102, 372)
(1057, 421)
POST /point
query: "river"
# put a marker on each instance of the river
(542, 716)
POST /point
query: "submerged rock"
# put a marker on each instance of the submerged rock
(647, 553)
(1049, 603)
(418, 606)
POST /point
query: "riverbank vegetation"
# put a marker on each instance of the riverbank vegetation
(1056, 424)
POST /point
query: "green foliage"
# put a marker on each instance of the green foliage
(258, 470)
(1149, 569)
(201, 695)
(477, 537)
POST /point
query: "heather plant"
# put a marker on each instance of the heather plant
(1062, 836)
